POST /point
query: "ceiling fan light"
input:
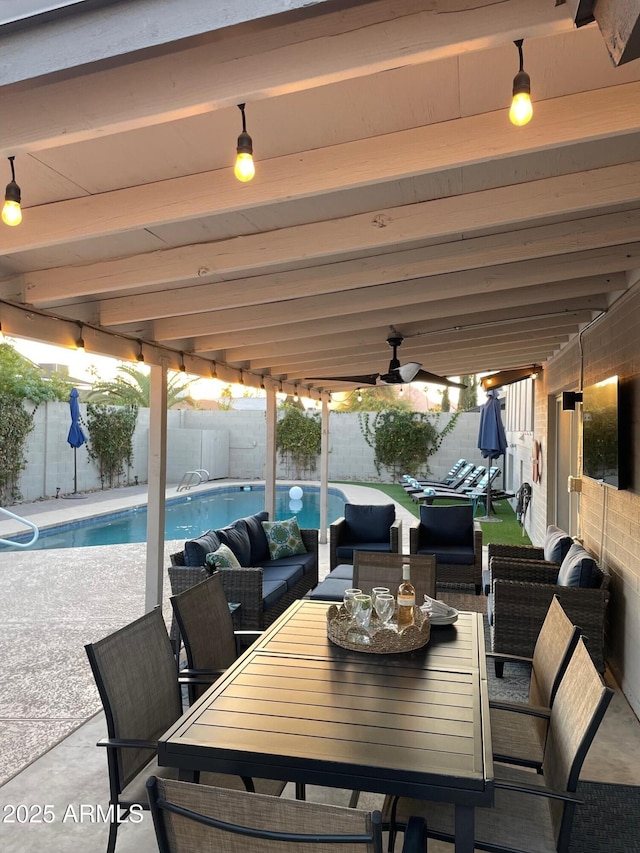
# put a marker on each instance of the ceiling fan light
(407, 372)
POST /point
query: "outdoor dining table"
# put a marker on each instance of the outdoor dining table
(297, 707)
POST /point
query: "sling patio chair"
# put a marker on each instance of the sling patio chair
(206, 627)
(519, 730)
(444, 481)
(135, 672)
(532, 813)
(189, 817)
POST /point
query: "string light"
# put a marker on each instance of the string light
(140, 356)
(521, 108)
(295, 396)
(182, 367)
(12, 212)
(214, 370)
(359, 397)
(245, 168)
(80, 344)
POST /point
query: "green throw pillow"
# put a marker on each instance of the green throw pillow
(284, 538)
(222, 558)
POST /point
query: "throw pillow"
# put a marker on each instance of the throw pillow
(236, 536)
(579, 569)
(222, 558)
(556, 544)
(284, 538)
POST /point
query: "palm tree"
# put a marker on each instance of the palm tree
(131, 388)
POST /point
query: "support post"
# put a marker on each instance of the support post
(157, 486)
(324, 472)
(270, 454)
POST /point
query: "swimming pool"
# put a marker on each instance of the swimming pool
(187, 516)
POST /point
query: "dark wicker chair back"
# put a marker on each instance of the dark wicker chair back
(190, 817)
(376, 569)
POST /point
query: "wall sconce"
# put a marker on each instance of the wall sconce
(140, 356)
(244, 169)
(508, 377)
(569, 400)
(521, 109)
(12, 212)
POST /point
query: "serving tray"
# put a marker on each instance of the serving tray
(343, 631)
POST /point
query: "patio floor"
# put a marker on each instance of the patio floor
(55, 602)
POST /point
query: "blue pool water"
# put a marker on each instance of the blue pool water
(187, 516)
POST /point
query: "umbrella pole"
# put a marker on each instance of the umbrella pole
(75, 470)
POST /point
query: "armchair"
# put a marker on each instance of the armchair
(450, 533)
(364, 527)
(554, 550)
(522, 591)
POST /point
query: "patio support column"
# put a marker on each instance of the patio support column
(270, 455)
(157, 485)
(324, 471)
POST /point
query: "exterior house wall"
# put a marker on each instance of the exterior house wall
(608, 519)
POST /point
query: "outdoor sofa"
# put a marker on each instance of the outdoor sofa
(522, 583)
(264, 587)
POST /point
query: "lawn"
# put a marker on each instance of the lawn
(505, 532)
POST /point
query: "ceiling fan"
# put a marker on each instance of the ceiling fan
(397, 374)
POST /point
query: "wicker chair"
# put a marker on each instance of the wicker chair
(521, 593)
(531, 812)
(554, 550)
(519, 730)
(190, 817)
(371, 569)
(364, 527)
(445, 531)
(135, 673)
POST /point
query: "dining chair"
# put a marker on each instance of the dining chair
(371, 569)
(189, 817)
(519, 729)
(531, 813)
(206, 627)
(135, 673)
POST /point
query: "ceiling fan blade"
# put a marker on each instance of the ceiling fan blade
(434, 379)
(369, 379)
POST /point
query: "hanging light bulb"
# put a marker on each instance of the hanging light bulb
(11, 212)
(182, 367)
(521, 108)
(359, 397)
(244, 169)
(214, 370)
(80, 348)
(140, 356)
(295, 396)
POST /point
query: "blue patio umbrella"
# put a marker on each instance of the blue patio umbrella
(76, 437)
(492, 439)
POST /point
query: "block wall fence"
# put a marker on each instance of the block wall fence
(225, 443)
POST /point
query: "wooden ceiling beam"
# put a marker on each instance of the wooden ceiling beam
(439, 221)
(255, 63)
(388, 296)
(376, 160)
(584, 293)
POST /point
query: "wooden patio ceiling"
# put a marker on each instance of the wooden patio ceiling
(390, 191)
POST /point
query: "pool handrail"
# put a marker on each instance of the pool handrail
(30, 524)
(188, 479)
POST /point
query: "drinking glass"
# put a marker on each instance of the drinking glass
(385, 604)
(378, 590)
(349, 600)
(362, 613)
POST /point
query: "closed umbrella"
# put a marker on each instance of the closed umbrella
(492, 439)
(76, 437)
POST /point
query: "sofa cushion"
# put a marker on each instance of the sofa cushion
(222, 558)
(366, 523)
(579, 569)
(490, 608)
(257, 539)
(236, 536)
(443, 526)
(307, 561)
(272, 592)
(556, 544)
(345, 551)
(196, 550)
(284, 538)
(330, 589)
(290, 574)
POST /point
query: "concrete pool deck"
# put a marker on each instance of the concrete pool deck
(56, 601)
